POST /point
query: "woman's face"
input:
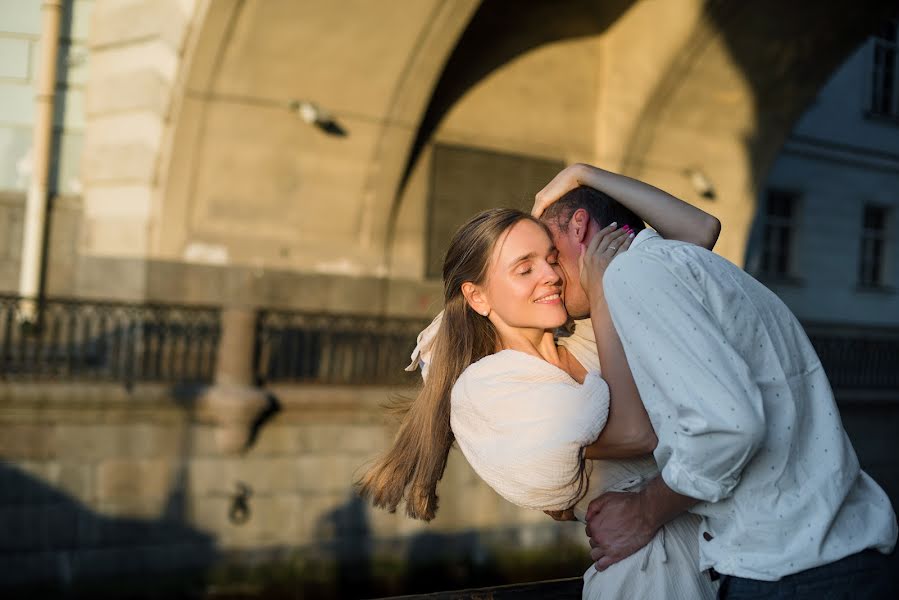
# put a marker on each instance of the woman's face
(524, 281)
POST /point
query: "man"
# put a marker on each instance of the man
(750, 438)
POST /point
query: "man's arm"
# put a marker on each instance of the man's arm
(619, 524)
(705, 404)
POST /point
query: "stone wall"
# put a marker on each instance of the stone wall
(96, 483)
(74, 274)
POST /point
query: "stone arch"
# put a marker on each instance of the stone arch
(715, 91)
(375, 81)
(212, 158)
(730, 94)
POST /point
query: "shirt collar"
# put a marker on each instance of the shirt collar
(645, 234)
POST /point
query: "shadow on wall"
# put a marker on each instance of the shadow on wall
(51, 543)
(486, 46)
(353, 564)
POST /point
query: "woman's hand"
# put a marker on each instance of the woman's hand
(566, 180)
(674, 219)
(608, 243)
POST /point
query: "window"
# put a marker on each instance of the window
(467, 180)
(873, 250)
(777, 244)
(884, 83)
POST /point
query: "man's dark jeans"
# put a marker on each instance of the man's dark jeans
(868, 575)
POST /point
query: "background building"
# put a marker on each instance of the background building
(247, 205)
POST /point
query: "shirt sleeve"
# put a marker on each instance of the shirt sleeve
(700, 395)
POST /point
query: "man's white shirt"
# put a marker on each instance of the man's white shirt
(744, 414)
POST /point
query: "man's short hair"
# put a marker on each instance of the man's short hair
(601, 207)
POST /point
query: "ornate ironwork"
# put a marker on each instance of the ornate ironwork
(862, 358)
(108, 341)
(329, 348)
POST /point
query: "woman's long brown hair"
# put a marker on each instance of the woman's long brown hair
(411, 468)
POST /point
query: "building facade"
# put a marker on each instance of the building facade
(825, 236)
(247, 206)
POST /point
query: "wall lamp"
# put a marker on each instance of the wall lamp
(700, 183)
(313, 114)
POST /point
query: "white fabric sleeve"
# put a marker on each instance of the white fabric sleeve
(703, 402)
(523, 433)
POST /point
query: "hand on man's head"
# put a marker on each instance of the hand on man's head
(566, 180)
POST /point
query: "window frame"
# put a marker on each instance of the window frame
(790, 248)
(875, 79)
(879, 280)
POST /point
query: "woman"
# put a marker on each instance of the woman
(524, 409)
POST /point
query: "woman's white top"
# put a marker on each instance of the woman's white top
(522, 424)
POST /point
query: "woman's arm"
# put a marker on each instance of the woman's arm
(673, 218)
(627, 431)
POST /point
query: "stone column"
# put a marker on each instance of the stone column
(136, 50)
(233, 403)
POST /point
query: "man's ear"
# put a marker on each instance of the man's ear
(578, 225)
(476, 299)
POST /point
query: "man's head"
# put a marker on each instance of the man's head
(573, 220)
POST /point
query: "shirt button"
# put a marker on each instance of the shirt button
(707, 536)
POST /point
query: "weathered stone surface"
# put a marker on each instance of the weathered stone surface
(141, 560)
(266, 475)
(128, 478)
(208, 476)
(143, 90)
(115, 491)
(48, 568)
(120, 22)
(318, 523)
(328, 473)
(38, 527)
(76, 479)
(24, 442)
(349, 439)
(277, 440)
(87, 442)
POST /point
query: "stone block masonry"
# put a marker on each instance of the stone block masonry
(99, 483)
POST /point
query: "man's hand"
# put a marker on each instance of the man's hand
(566, 180)
(617, 527)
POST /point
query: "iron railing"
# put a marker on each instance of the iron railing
(857, 358)
(87, 340)
(329, 348)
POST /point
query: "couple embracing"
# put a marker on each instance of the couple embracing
(685, 420)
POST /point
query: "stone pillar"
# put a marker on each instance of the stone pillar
(136, 52)
(233, 403)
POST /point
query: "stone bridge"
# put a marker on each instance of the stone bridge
(196, 151)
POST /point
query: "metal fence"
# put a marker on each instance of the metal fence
(327, 348)
(88, 340)
(858, 358)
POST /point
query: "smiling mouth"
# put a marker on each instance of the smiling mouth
(548, 298)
